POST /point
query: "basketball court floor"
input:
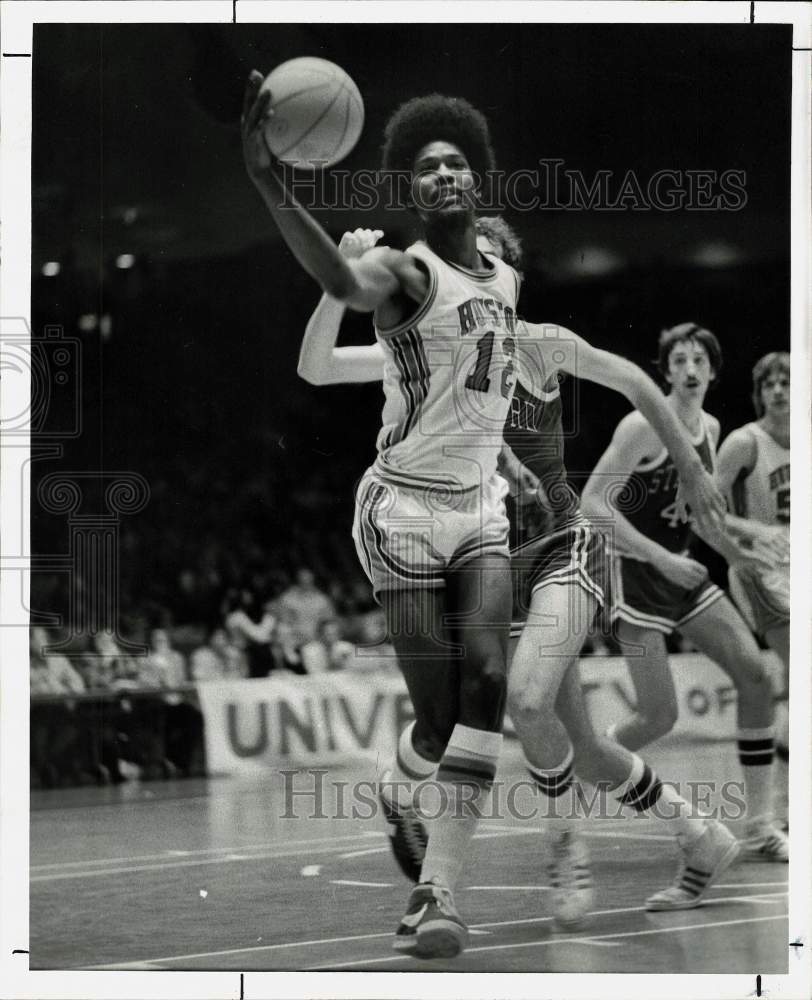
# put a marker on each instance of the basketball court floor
(208, 875)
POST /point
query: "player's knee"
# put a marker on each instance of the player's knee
(530, 702)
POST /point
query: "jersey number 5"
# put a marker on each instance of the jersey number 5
(782, 505)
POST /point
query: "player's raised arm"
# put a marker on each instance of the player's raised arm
(697, 488)
(362, 285)
(320, 361)
(634, 440)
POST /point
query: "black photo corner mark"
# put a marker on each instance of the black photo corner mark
(758, 986)
(20, 951)
(242, 975)
(796, 944)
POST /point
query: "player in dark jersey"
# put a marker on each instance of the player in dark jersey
(659, 588)
(559, 582)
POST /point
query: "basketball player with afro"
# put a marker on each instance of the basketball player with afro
(430, 525)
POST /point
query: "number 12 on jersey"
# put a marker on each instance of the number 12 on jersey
(478, 380)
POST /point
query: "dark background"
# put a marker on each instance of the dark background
(191, 381)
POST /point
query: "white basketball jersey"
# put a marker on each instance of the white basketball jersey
(449, 376)
(764, 494)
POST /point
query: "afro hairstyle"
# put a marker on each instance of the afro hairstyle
(437, 118)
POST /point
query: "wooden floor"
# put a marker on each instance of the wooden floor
(208, 875)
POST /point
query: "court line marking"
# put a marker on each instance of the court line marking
(503, 888)
(227, 860)
(620, 835)
(169, 854)
(338, 940)
(349, 881)
(174, 862)
(361, 937)
(564, 940)
(745, 885)
(369, 850)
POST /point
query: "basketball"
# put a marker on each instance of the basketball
(318, 112)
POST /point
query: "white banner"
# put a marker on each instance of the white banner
(330, 718)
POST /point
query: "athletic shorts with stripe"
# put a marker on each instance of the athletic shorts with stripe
(573, 554)
(409, 534)
(762, 598)
(642, 596)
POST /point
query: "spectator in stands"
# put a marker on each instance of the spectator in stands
(219, 659)
(305, 607)
(51, 673)
(251, 630)
(285, 650)
(329, 651)
(108, 669)
(165, 666)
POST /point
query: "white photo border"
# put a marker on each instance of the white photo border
(18, 18)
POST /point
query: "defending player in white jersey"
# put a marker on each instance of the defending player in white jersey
(752, 470)
(430, 525)
(559, 584)
(658, 588)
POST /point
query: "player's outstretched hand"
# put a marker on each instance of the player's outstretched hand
(700, 500)
(354, 245)
(256, 109)
(683, 571)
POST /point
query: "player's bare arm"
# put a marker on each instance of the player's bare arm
(736, 458)
(381, 281)
(697, 489)
(633, 442)
(320, 361)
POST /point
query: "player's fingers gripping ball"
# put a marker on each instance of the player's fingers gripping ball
(317, 113)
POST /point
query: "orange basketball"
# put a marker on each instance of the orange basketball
(317, 115)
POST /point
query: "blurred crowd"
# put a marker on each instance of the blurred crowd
(296, 632)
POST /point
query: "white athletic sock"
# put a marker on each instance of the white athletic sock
(557, 786)
(644, 792)
(756, 758)
(464, 779)
(406, 771)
